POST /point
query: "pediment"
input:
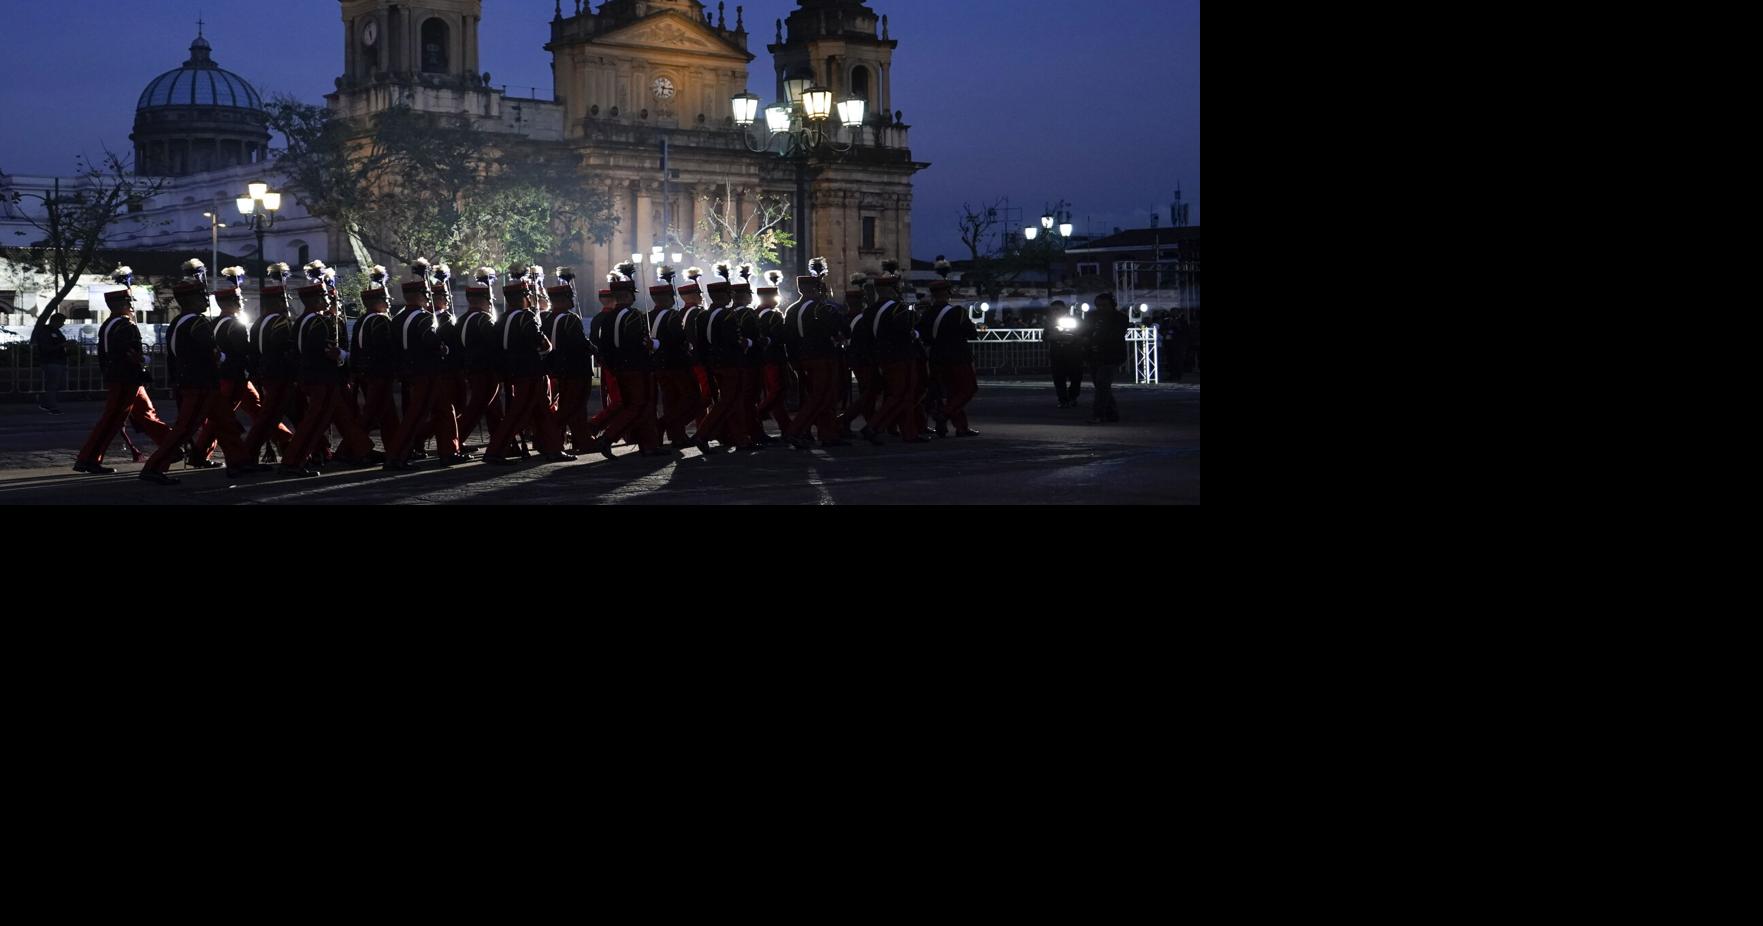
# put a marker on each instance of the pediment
(672, 32)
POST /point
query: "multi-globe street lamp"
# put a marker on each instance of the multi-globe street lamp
(800, 123)
(259, 207)
(1058, 236)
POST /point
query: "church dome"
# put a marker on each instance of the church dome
(199, 118)
(200, 82)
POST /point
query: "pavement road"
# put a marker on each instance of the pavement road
(1029, 452)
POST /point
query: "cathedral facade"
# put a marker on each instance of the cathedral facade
(643, 103)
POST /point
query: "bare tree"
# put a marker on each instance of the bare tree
(74, 223)
(976, 232)
(755, 237)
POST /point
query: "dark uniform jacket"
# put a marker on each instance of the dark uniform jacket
(119, 352)
(816, 324)
(792, 329)
(191, 352)
(313, 333)
(630, 341)
(722, 337)
(571, 353)
(892, 327)
(477, 337)
(373, 348)
(860, 328)
(453, 355)
(600, 335)
(746, 323)
(272, 356)
(676, 344)
(950, 331)
(693, 322)
(1107, 337)
(518, 336)
(773, 336)
(234, 341)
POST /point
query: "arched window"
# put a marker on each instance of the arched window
(434, 47)
(860, 84)
(304, 251)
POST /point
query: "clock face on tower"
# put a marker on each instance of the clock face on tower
(371, 34)
(663, 88)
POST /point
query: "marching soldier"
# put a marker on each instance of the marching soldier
(443, 423)
(524, 348)
(477, 335)
(746, 323)
(722, 343)
(273, 363)
(420, 356)
(675, 385)
(324, 373)
(951, 356)
(620, 291)
(894, 351)
(773, 356)
(572, 359)
(815, 327)
(125, 380)
(233, 339)
(860, 351)
(373, 351)
(192, 354)
(633, 347)
(930, 394)
(693, 322)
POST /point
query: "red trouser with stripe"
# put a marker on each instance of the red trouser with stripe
(267, 423)
(243, 397)
(869, 389)
(325, 406)
(636, 413)
(377, 408)
(902, 405)
(420, 404)
(960, 385)
(526, 402)
(727, 421)
(681, 403)
(443, 424)
(121, 403)
(198, 407)
(610, 399)
(819, 380)
(571, 412)
(484, 389)
(771, 377)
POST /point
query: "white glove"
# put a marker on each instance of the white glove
(654, 344)
(223, 358)
(343, 359)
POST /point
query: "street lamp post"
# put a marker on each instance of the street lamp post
(800, 121)
(1058, 235)
(214, 227)
(260, 219)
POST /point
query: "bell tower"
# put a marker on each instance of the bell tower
(847, 48)
(435, 38)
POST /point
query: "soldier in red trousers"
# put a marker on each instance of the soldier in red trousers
(194, 358)
(126, 377)
(274, 364)
(373, 351)
(675, 386)
(324, 374)
(860, 300)
(951, 355)
(233, 338)
(524, 347)
(477, 336)
(692, 319)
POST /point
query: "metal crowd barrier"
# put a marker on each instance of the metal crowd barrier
(20, 375)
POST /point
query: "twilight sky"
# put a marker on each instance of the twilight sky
(1037, 100)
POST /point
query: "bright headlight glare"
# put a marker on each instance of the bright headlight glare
(1067, 324)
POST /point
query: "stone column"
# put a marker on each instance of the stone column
(645, 227)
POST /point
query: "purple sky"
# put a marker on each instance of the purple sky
(1097, 103)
